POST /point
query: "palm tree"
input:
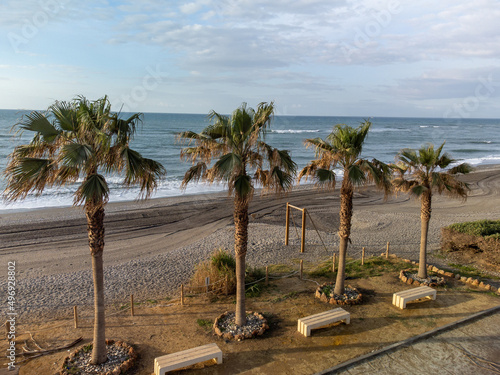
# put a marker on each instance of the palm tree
(237, 145)
(76, 142)
(422, 173)
(341, 150)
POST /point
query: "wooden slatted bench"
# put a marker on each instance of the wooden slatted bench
(305, 325)
(401, 298)
(187, 357)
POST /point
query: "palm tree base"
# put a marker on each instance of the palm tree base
(410, 277)
(121, 358)
(225, 326)
(351, 296)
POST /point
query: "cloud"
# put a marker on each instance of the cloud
(449, 84)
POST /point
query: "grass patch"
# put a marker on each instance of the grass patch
(220, 269)
(285, 297)
(482, 228)
(487, 292)
(280, 268)
(469, 271)
(206, 324)
(374, 266)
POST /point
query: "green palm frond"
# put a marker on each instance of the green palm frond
(75, 154)
(236, 142)
(463, 168)
(320, 146)
(228, 165)
(242, 187)
(424, 170)
(418, 190)
(124, 129)
(325, 178)
(408, 158)
(85, 139)
(356, 175)
(93, 191)
(39, 123)
(65, 115)
(280, 180)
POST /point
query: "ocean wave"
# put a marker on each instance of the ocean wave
(292, 131)
(490, 159)
(482, 142)
(381, 130)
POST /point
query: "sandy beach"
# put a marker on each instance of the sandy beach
(151, 246)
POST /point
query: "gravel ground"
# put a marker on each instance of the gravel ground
(161, 275)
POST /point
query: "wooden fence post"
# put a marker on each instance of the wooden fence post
(131, 305)
(387, 251)
(303, 239)
(75, 315)
(267, 275)
(287, 230)
(182, 294)
(207, 283)
(363, 256)
(333, 263)
(301, 268)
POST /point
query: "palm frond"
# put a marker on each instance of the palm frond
(418, 190)
(227, 165)
(281, 181)
(26, 175)
(93, 191)
(75, 155)
(65, 114)
(38, 123)
(463, 168)
(242, 187)
(356, 175)
(325, 178)
(151, 174)
(195, 173)
(142, 171)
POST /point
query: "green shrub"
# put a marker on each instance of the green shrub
(482, 228)
(220, 268)
(223, 261)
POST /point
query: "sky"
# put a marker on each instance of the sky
(311, 57)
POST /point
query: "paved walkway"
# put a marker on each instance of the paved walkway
(442, 353)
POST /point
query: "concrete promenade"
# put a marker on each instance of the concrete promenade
(443, 352)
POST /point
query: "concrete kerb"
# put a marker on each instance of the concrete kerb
(401, 344)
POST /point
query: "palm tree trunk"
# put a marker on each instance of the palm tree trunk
(425, 217)
(240, 249)
(346, 194)
(95, 230)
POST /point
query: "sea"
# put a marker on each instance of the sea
(475, 141)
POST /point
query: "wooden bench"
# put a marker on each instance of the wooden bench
(305, 325)
(401, 298)
(186, 358)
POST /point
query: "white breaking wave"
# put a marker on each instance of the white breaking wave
(490, 159)
(291, 131)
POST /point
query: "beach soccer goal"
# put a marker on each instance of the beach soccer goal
(287, 232)
(303, 236)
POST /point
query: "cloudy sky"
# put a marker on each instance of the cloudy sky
(312, 57)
